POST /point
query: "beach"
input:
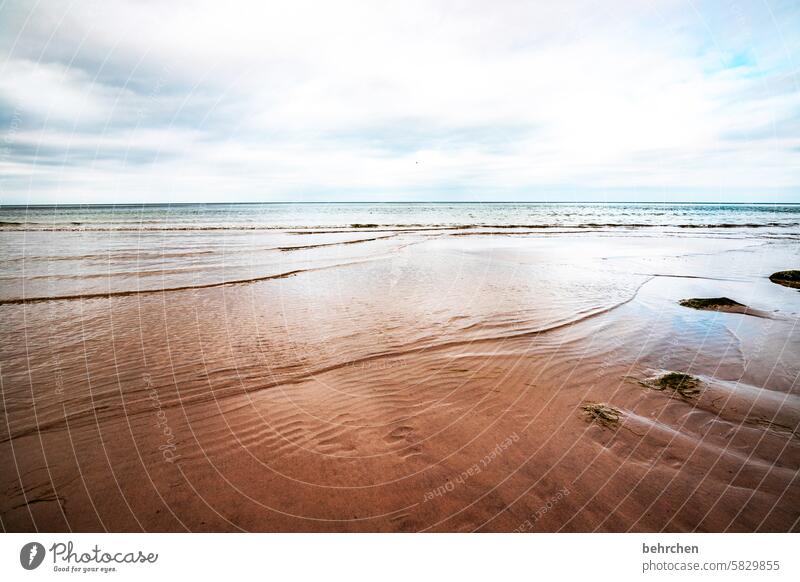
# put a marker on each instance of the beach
(397, 368)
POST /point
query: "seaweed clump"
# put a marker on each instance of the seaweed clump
(363, 225)
(786, 278)
(711, 303)
(676, 382)
(602, 414)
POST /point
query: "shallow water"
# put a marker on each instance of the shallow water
(67, 251)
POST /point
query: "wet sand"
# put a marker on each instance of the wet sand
(403, 381)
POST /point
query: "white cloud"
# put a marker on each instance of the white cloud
(351, 100)
(54, 92)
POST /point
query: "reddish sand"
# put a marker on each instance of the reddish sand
(434, 386)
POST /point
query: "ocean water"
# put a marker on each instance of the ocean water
(345, 215)
(71, 251)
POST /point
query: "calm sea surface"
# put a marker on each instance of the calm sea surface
(307, 215)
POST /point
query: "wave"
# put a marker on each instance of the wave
(149, 255)
(334, 244)
(211, 285)
(357, 227)
(131, 292)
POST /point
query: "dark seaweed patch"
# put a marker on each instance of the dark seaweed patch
(677, 383)
(602, 414)
(711, 303)
(786, 278)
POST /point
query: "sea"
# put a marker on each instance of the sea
(395, 214)
(64, 251)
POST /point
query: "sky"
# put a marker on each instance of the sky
(146, 101)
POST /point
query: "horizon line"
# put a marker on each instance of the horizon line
(123, 204)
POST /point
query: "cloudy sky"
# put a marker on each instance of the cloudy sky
(121, 101)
